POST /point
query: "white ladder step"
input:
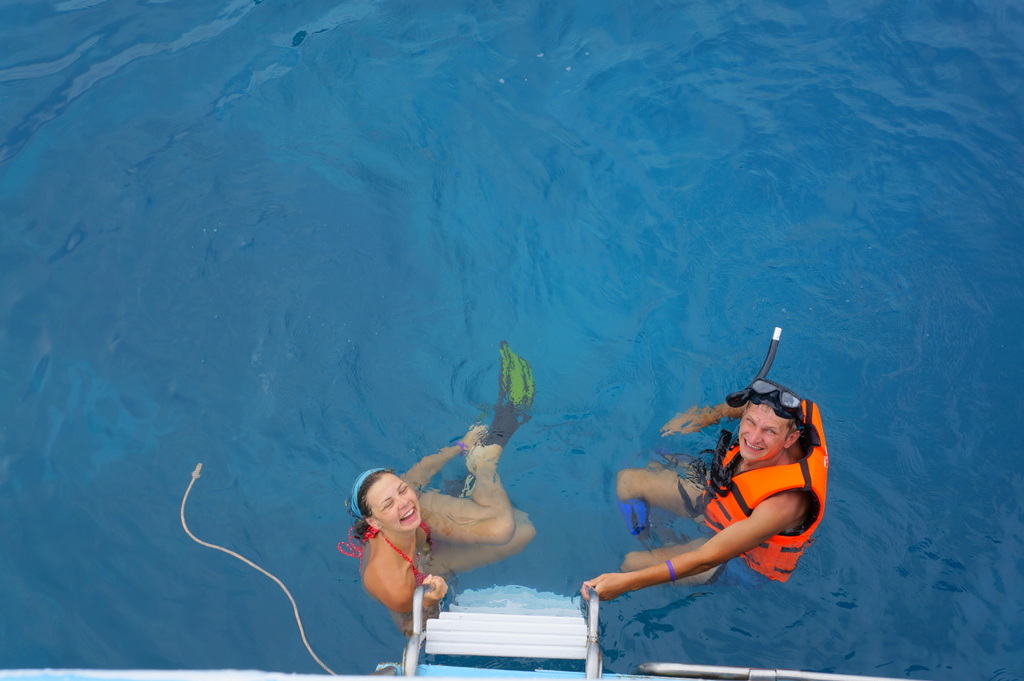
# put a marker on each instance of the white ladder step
(496, 635)
(484, 632)
(503, 618)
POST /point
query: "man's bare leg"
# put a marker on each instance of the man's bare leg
(658, 486)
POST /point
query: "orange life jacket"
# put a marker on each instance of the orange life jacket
(777, 557)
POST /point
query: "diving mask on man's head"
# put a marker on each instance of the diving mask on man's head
(783, 401)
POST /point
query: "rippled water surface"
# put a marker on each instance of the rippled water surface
(285, 240)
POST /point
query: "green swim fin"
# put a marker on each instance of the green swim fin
(515, 382)
(515, 397)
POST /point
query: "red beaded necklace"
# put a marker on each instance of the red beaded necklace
(373, 532)
(355, 550)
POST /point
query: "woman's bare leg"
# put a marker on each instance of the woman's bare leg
(454, 558)
(486, 517)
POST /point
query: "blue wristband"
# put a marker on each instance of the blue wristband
(671, 571)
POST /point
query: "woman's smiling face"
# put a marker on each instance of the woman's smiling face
(393, 505)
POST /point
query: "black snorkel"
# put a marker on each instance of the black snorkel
(784, 402)
(740, 397)
(770, 357)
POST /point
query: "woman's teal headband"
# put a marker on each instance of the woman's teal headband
(353, 500)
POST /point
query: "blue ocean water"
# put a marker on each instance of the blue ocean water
(285, 240)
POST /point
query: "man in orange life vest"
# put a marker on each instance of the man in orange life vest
(762, 497)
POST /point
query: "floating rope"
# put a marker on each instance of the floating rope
(295, 608)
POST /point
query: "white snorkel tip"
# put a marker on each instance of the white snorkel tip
(772, 347)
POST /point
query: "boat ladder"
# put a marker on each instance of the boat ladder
(550, 637)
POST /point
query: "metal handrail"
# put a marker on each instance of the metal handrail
(411, 658)
(705, 672)
(594, 665)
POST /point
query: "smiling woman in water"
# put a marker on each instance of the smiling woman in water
(405, 535)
